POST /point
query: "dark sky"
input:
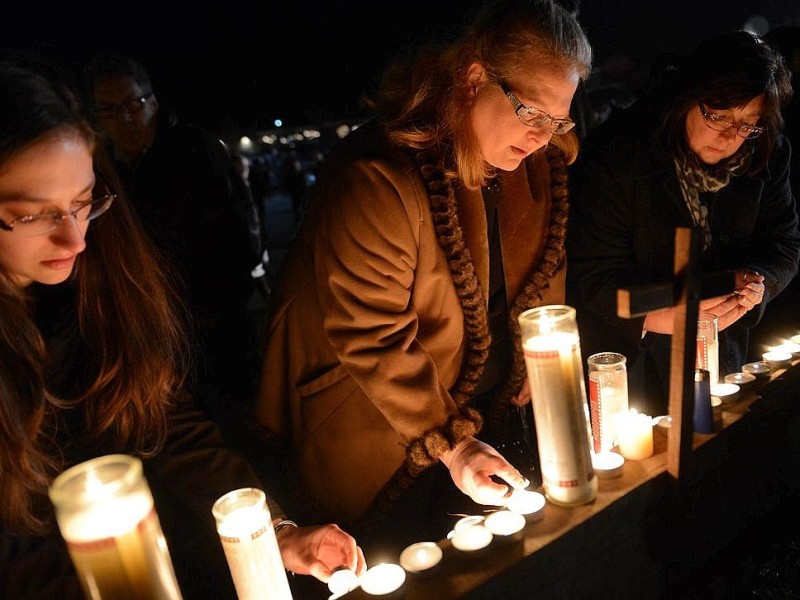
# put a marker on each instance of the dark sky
(239, 65)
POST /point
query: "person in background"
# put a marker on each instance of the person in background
(93, 357)
(393, 330)
(182, 182)
(702, 149)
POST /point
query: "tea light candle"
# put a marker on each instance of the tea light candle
(383, 579)
(777, 358)
(724, 391)
(420, 557)
(506, 524)
(740, 379)
(792, 347)
(757, 369)
(528, 503)
(795, 338)
(608, 464)
(471, 538)
(469, 521)
(342, 581)
(635, 435)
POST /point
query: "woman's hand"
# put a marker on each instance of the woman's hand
(524, 395)
(749, 288)
(319, 550)
(472, 465)
(728, 309)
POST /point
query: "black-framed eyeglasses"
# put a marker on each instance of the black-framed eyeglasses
(129, 107)
(45, 222)
(719, 123)
(536, 117)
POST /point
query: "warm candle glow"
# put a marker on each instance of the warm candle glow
(608, 464)
(505, 523)
(777, 358)
(420, 556)
(740, 379)
(382, 579)
(248, 539)
(757, 369)
(526, 502)
(342, 581)
(635, 433)
(725, 391)
(469, 539)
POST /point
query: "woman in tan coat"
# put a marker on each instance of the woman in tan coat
(433, 226)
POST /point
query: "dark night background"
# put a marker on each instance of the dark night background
(239, 65)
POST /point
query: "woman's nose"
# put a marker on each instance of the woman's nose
(70, 233)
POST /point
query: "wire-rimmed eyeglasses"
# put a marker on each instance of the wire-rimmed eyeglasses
(536, 117)
(129, 107)
(719, 123)
(45, 222)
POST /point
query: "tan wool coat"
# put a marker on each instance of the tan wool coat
(378, 328)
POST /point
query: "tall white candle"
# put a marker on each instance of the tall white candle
(555, 373)
(106, 516)
(251, 548)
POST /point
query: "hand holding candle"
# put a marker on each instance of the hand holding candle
(635, 434)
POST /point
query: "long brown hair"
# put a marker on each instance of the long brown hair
(131, 323)
(424, 98)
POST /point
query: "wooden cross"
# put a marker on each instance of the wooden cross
(683, 293)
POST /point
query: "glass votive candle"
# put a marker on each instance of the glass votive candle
(758, 369)
(608, 464)
(421, 557)
(777, 359)
(528, 503)
(505, 525)
(384, 579)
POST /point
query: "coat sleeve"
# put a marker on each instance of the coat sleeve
(366, 254)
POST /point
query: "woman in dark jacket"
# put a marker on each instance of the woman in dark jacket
(92, 361)
(702, 149)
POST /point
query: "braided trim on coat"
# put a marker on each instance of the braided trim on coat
(423, 452)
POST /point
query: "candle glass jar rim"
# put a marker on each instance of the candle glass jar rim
(604, 360)
(556, 313)
(241, 498)
(116, 473)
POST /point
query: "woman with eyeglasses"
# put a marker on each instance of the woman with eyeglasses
(393, 337)
(702, 149)
(92, 361)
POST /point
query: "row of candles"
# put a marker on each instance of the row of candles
(107, 517)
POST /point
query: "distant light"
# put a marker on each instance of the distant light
(342, 131)
(277, 123)
(245, 143)
(756, 24)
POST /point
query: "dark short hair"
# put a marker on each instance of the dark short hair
(729, 70)
(107, 66)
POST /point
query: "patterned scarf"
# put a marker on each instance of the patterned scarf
(695, 178)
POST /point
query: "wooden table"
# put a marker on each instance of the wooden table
(645, 532)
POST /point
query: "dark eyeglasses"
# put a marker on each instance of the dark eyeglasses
(718, 123)
(45, 222)
(536, 117)
(129, 107)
